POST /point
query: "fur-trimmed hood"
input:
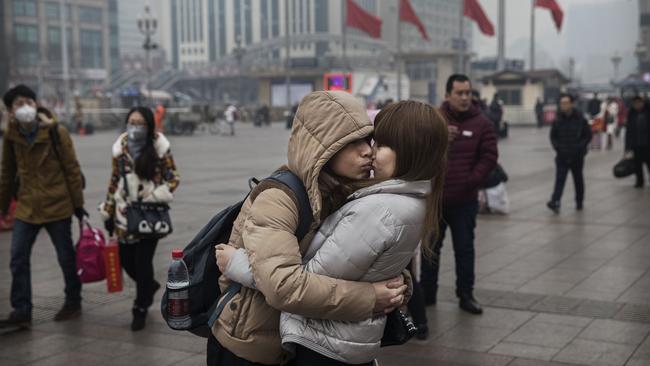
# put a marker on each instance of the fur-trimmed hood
(161, 144)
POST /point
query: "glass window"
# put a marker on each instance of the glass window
(25, 8)
(275, 18)
(248, 13)
(91, 49)
(26, 44)
(510, 96)
(90, 15)
(52, 10)
(265, 20)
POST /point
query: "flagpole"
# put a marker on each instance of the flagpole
(399, 52)
(461, 41)
(287, 63)
(344, 31)
(501, 59)
(532, 35)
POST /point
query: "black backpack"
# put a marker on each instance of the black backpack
(206, 300)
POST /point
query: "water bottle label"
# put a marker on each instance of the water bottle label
(178, 303)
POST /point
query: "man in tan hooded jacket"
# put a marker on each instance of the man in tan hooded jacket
(248, 327)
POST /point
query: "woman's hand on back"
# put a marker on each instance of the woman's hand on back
(222, 254)
(389, 295)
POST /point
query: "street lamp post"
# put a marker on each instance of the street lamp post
(641, 53)
(147, 25)
(239, 52)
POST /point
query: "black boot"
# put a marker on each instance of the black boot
(69, 311)
(16, 320)
(553, 206)
(139, 318)
(423, 332)
(469, 304)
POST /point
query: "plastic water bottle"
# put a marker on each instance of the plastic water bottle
(178, 296)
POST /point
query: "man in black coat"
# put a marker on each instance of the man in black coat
(570, 136)
(637, 137)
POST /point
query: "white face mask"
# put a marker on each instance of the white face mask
(26, 114)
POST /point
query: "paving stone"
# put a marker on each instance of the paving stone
(528, 362)
(497, 318)
(74, 358)
(575, 321)
(614, 331)
(634, 313)
(597, 309)
(516, 300)
(436, 354)
(556, 304)
(525, 350)
(544, 334)
(479, 339)
(595, 353)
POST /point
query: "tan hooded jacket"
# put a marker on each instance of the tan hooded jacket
(249, 325)
(50, 186)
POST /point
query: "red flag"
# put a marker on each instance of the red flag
(474, 11)
(360, 19)
(556, 11)
(407, 14)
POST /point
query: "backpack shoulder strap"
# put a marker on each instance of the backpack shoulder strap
(294, 183)
(56, 140)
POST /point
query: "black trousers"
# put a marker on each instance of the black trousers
(641, 156)
(218, 355)
(307, 357)
(461, 219)
(562, 168)
(416, 305)
(137, 261)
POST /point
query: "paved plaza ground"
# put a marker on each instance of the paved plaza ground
(566, 289)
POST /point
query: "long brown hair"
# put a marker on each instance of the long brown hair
(418, 135)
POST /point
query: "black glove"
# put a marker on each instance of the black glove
(109, 225)
(80, 212)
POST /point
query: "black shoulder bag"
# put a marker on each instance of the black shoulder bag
(146, 220)
(398, 330)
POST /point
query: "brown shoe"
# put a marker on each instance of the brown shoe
(68, 311)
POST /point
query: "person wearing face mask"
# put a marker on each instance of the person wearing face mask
(143, 161)
(44, 176)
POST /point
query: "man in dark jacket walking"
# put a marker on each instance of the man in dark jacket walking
(637, 137)
(40, 168)
(570, 136)
(472, 156)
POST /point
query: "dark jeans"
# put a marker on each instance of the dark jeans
(641, 156)
(461, 220)
(307, 357)
(416, 305)
(137, 261)
(562, 168)
(22, 242)
(218, 355)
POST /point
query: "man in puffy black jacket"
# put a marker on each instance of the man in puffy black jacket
(570, 136)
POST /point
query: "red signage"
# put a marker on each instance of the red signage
(338, 81)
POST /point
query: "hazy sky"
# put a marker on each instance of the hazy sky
(593, 31)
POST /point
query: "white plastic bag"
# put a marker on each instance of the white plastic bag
(497, 199)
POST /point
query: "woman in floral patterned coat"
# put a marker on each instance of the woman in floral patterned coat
(142, 159)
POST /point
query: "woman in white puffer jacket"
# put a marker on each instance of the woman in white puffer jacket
(373, 236)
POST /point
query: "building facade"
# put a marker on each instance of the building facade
(203, 32)
(32, 36)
